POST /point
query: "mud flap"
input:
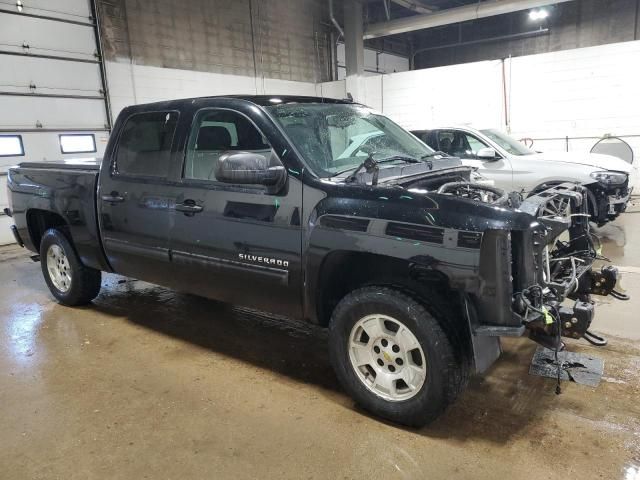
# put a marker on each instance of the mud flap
(486, 350)
(576, 367)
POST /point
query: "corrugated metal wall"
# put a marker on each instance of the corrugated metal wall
(282, 39)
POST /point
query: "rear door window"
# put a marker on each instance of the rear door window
(144, 148)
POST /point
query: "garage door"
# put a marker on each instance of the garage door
(52, 88)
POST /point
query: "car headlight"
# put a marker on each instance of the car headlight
(609, 178)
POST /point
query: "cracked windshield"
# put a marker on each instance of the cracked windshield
(336, 138)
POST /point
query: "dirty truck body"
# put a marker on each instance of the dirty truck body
(416, 271)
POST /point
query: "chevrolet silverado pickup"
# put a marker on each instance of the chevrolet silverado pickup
(415, 270)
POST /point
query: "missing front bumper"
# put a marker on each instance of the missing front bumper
(618, 203)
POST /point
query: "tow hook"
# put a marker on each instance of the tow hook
(575, 321)
(607, 282)
(594, 339)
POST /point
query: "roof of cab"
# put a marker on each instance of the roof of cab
(262, 100)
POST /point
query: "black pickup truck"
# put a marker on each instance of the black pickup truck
(261, 201)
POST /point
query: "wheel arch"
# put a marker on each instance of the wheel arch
(544, 185)
(344, 271)
(592, 205)
(39, 221)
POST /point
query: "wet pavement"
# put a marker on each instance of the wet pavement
(149, 383)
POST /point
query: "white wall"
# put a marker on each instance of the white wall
(468, 93)
(335, 89)
(130, 84)
(586, 92)
(458, 94)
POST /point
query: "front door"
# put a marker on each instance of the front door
(465, 146)
(133, 199)
(236, 243)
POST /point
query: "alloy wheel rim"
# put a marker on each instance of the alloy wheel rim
(59, 268)
(387, 357)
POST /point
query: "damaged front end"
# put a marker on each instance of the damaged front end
(553, 277)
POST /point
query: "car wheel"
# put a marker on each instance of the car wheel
(71, 282)
(391, 355)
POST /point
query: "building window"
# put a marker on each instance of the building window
(78, 143)
(11, 146)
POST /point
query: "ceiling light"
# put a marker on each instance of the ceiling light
(537, 15)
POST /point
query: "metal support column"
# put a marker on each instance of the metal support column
(354, 46)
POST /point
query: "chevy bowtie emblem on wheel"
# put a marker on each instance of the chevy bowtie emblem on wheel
(266, 260)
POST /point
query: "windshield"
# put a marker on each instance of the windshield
(511, 145)
(334, 138)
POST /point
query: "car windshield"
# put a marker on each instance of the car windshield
(336, 138)
(511, 145)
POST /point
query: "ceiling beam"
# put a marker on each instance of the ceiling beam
(473, 11)
(414, 6)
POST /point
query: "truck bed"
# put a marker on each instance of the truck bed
(67, 190)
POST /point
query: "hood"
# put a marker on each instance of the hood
(596, 160)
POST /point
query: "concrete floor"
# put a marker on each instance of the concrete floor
(148, 383)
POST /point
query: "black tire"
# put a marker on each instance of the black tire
(447, 373)
(85, 281)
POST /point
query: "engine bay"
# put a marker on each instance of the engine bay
(563, 257)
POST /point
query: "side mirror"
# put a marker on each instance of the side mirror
(486, 153)
(248, 168)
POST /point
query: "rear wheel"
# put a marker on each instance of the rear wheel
(71, 282)
(391, 355)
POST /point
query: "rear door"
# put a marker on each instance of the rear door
(134, 200)
(236, 243)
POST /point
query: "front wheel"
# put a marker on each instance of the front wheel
(391, 355)
(71, 282)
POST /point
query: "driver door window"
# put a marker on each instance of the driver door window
(215, 132)
(474, 145)
(460, 144)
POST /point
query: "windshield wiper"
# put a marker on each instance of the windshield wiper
(370, 165)
(393, 158)
(434, 154)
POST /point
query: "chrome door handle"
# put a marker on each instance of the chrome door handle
(112, 198)
(188, 207)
